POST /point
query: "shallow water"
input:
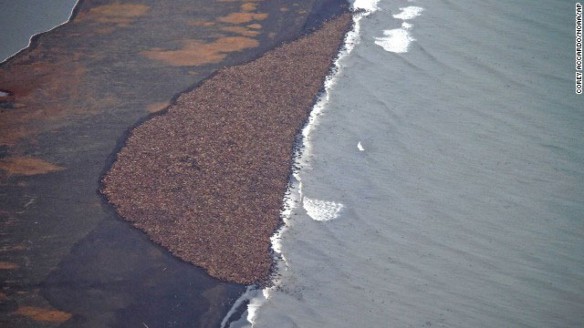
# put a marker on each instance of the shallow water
(452, 142)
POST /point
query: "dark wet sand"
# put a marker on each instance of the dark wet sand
(207, 178)
(66, 259)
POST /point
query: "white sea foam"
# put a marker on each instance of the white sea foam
(351, 40)
(321, 210)
(250, 292)
(360, 146)
(410, 12)
(398, 40)
(367, 5)
(256, 303)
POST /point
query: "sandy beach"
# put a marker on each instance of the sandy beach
(69, 102)
(206, 179)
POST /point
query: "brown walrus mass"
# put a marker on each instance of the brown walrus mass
(206, 179)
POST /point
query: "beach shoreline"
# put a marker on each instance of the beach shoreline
(169, 185)
(73, 94)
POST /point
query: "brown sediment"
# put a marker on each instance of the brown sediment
(241, 30)
(33, 87)
(207, 178)
(47, 85)
(44, 315)
(203, 23)
(26, 165)
(66, 79)
(13, 248)
(157, 107)
(8, 265)
(249, 6)
(121, 14)
(246, 15)
(243, 17)
(195, 52)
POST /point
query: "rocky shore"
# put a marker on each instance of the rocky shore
(206, 178)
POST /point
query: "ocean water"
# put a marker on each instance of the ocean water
(24, 18)
(441, 182)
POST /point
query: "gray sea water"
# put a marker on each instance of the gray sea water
(24, 18)
(442, 184)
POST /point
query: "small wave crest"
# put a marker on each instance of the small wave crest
(410, 12)
(398, 40)
(321, 210)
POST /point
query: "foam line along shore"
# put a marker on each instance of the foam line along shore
(318, 210)
(457, 155)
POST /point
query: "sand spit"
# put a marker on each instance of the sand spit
(206, 179)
